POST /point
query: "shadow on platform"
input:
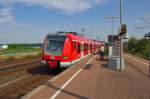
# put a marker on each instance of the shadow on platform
(66, 92)
(104, 60)
(105, 65)
(88, 67)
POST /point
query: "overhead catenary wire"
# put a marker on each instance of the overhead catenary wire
(75, 23)
(143, 19)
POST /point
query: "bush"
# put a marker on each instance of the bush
(139, 47)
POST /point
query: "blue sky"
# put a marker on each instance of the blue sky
(28, 21)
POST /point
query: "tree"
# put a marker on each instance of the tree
(139, 47)
(132, 45)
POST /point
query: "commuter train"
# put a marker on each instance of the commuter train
(63, 49)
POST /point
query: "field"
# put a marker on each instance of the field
(19, 52)
(18, 48)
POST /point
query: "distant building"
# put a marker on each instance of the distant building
(3, 47)
(147, 35)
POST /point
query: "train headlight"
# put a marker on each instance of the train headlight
(65, 57)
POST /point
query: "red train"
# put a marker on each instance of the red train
(63, 49)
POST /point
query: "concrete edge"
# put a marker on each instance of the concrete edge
(31, 93)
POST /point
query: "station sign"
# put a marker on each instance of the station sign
(123, 29)
(112, 38)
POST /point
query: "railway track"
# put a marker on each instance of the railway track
(139, 64)
(9, 62)
(17, 65)
(20, 78)
(17, 81)
(6, 63)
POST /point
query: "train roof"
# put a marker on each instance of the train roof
(64, 32)
(61, 33)
(71, 35)
(79, 38)
(55, 36)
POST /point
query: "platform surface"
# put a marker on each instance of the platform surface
(96, 81)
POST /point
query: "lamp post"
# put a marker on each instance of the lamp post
(121, 3)
(148, 36)
(121, 45)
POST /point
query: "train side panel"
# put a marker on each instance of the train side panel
(66, 53)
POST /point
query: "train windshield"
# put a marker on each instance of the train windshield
(54, 47)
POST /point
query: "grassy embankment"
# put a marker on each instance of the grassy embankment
(19, 52)
(139, 47)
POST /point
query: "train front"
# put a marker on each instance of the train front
(52, 50)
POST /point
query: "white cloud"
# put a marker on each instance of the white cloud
(65, 6)
(6, 15)
(10, 29)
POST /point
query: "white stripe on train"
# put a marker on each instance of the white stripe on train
(67, 64)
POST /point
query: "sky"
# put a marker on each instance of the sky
(28, 21)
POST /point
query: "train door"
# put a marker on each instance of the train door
(82, 49)
(88, 48)
(96, 48)
(78, 50)
(73, 50)
(85, 49)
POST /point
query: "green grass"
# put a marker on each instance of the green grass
(14, 49)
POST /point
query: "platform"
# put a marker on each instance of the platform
(94, 80)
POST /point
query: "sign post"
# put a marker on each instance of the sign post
(113, 41)
(122, 32)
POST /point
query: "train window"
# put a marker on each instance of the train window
(79, 48)
(54, 47)
(74, 45)
(84, 46)
(90, 46)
